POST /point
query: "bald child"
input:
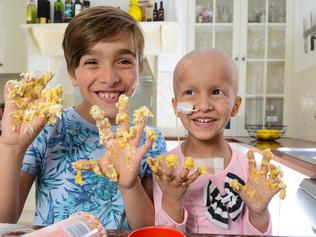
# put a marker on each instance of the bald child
(205, 85)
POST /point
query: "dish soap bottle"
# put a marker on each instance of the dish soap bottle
(31, 12)
(134, 10)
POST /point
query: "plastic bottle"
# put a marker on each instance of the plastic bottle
(31, 12)
(134, 10)
(79, 224)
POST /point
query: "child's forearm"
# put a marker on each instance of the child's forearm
(138, 206)
(260, 221)
(174, 208)
(10, 162)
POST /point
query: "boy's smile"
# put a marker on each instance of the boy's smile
(106, 71)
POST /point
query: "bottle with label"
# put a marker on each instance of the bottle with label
(79, 224)
(155, 12)
(161, 12)
(43, 11)
(31, 12)
(77, 8)
(58, 11)
(68, 10)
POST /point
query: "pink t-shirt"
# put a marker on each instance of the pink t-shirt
(197, 217)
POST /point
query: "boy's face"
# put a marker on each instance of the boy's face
(211, 90)
(108, 70)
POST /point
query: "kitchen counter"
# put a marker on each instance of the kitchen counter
(291, 162)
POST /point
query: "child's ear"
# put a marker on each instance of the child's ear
(236, 106)
(174, 105)
(73, 79)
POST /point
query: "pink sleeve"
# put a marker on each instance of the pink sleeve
(249, 229)
(161, 217)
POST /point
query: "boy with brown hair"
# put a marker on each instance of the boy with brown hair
(103, 48)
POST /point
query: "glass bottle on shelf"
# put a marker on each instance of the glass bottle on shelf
(149, 11)
(58, 11)
(86, 4)
(43, 11)
(68, 10)
(31, 12)
(161, 12)
(155, 12)
(208, 14)
(272, 13)
(77, 7)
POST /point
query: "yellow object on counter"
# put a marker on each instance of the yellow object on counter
(134, 10)
(267, 134)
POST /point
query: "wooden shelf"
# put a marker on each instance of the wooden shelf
(46, 39)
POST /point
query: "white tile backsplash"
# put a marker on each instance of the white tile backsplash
(303, 105)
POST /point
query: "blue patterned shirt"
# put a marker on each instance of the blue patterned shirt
(49, 159)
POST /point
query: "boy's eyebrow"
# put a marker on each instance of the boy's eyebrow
(118, 52)
(126, 51)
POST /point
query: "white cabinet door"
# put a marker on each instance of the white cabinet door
(254, 34)
(264, 58)
(12, 37)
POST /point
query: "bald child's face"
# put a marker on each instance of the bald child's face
(208, 80)
(206, 65)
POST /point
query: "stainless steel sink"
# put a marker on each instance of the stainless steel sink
(305, 154)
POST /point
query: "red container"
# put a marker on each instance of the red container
(156, 231)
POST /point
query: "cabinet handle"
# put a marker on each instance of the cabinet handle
(1, 64)
(236, 58)
(243, 59)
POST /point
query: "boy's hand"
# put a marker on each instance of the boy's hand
(168, 181)
(28, 107)
(123, 156)
(262, 183)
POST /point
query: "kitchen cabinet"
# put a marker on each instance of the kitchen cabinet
(12, 43)
(46, 39)
(255, 33)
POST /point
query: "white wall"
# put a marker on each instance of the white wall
(302, 101)
(124, 5)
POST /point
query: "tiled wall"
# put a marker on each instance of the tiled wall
(302, 96)
(303, 105)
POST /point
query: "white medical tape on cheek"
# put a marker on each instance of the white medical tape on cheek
(185, 108)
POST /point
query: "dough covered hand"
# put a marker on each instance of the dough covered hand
(168, 180)
(33, 101)
(262, 184)
(123, 156)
